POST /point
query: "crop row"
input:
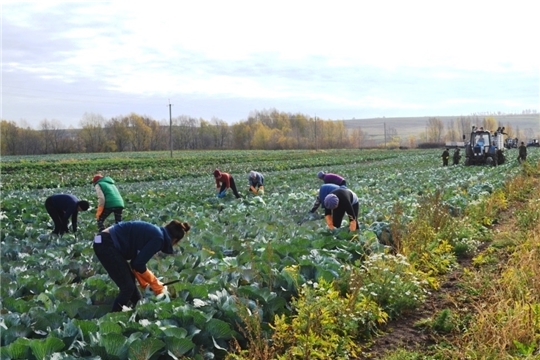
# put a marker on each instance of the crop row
(56, 297)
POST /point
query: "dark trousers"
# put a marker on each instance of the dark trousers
(338, 214)
(106, 212)
(120, 272)
(57, 216)
(233, 188)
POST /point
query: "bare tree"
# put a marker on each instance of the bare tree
(52, 136)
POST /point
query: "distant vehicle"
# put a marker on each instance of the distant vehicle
(511, 143)
(484, 148)
(533, 143)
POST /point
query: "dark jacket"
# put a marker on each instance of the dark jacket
(138, 241)
(68, 204)
(346, 200)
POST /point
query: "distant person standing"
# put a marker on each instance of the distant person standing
(522, 153)
(329, 178)
(109, 200)
(457, 156)
(225, 181)
(63, 206)
(445, 156)
(256, 182)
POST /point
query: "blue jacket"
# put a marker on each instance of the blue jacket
(257, 181)
(138, 241)
(324, 190)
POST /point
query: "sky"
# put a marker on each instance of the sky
(224, 60)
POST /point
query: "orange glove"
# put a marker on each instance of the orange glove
(99, 211)
(143, 283)
(329, 221)
(150, 279)
(352, 224)
(252, 189)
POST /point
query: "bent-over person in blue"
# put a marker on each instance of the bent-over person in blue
(323, 191)
(63, 206)
(256, 182)
(124, 249)
(338, 203)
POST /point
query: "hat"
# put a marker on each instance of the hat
(320, 174)
(217, 173)
(252, 174)
(96, 178)
(331, 201)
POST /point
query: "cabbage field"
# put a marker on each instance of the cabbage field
(55, 296)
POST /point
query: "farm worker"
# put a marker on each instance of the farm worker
(522, 156)
(124, 249)
(479, 147)
(445, 156)
(323, 191)
(224, 181)
(339, 202)
(63, 206)
(109, 200)
(457, 156)
(256, 182)
(329, 178)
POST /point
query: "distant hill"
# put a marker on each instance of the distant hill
(407, 126)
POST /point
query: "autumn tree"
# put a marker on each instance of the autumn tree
(119, 134)
(261, 137)
(490, 123)
(10, 138)
(160, 139)
(92, 132)
(434, 129)
(141, 133)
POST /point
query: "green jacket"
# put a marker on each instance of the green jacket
(113, 199)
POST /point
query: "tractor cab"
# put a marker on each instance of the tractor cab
(511, 143)
(533, 143)
(484, 148)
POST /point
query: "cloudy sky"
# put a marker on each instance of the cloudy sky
(225, 59)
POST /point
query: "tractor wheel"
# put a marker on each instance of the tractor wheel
(467, 161)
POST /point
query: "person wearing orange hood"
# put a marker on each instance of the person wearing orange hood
(109, 200)
(225, 181)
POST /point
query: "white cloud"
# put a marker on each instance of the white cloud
(358, 55)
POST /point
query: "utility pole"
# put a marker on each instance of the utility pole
(316, 142)
(170, 127)
(385, 135)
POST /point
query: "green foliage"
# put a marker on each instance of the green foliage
(239, 253)
(324, 324)
(391, 282)
(44, 348)
(442, 323)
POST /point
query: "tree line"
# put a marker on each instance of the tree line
(263, 130)
(267, 130)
